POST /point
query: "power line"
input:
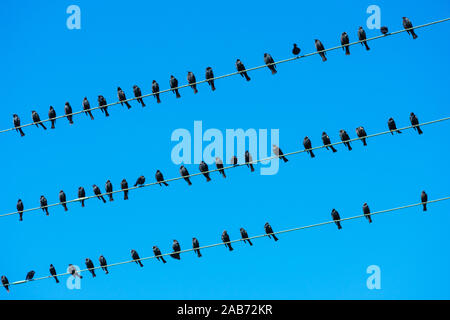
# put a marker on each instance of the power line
(239, 240)
(228, 75)
(224, 168)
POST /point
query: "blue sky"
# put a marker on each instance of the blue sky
(122, 44)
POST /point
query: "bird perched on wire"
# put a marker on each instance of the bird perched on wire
(176, 250)
(277, 151)
(192, 81)
(138, 95)
(241, 69)
(296, 50)
(408, 25)
(73, 271)
(37, 119)
(124, 186)
(185, 173)
(53, 273)
(392, 126)
(234, 160)
(158, 255)
(90, 266)
(81, 195)
(361, 133)
(5, 283)
(268, 60)
(345, 138)
(249, 160)
(366, 211)
(362, 37)
(102, 104)
(244, 236)
(98, 193)
(384, 30)
(16, 121)
(336, 218)
(204, 169)
(196, 246)
(219, 166)
(226, 240)
(62, 200)
(68, 112)
(209, 75)
(19, 208)
(136, 257)
(87, 108)
(155, 90)
(52, 116)
(140, 181)
(122, 97)
(30, 275)
(43, 203)
(160, 178)
(320, 49)
(174, 86)
(103, 264)
(344, 42)
(269, 231)
(327, 142)
(415, 122)
(109, 190)
(308, 146)
(424, 198)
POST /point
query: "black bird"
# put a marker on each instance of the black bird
(210, 75)
(226, 240)
(30, 275)
(195, 246)
(73, 271)
(269, 231)
(415, 122)
(102, 103)
(124, 185)
(173, 85)
(408, 25)
(90, 266)
(319, 48)
(36, 119)
(268, 60)
(244, 236)
(81, 195)
(424, 198)
(336, 218)
(122, 97)
(52, 116)
(103, 264)
(157, 254)
(296, 50)
(344, 42)
(219, 166)
(184, 172)
(109, 190)
(191, 80)
(87, 108)
(248, 160)
(241, 68)
(62, 200)
(204, 169)
(155, 90)
(345, 138)
(43, 202)
(53, 273)
(392, 126)
(308, 146)
(362, 37)
(366, 212)
(234, 160)
(138, 95)
(136, 257)
(176, 249)
(16, 121)
(5, 283)
(160, 178)
(277, 151)
(68, 112)
(384, 30)
(19, 207)
(361, 133)
(98, 193)
(326, 141)
(140, 181)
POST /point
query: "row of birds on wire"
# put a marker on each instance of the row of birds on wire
(209, 76)
(195, 247)
(204, 169)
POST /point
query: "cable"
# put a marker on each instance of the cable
(225, 168)
(238, 240)
(228, 75)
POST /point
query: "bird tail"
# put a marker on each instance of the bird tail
(162, 259)
(213, 88)
(367, 47)
(284, 159)
(414, 35)
(46, 211)
(20, 216)
(223, 173)
(65, 207)
(43, 126)
(128, 105)
(347, 51)
(21, 132)
(246, 76)
(195, 89)
(53, 124)
(106, 112)
(140, 263)
(275, 237)
(103, 199)
(419, 131)
(110, 197)
(177, 93)
(90, 114)
(249, 242)
(157, 99)
(274, 71)
(252, 168)
(399, 131)
(311, 153)
(424, 207)
(364, 142)
(198, 253)
(230, 247)
(349, 146)
(333, 149)
(56, 279)
(188, 181)
(125, 195)
(323, 57)
(208, 178)
(370, 218)
(338, 223)
(166, 184)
